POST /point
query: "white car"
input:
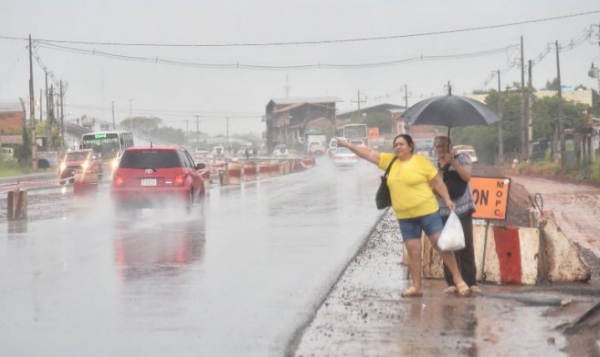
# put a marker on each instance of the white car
(280, 151)
(344, 157)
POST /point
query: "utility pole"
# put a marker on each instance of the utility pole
(561, 134)
(187, 128)
(530, 112)
(523, 135)
(32, 110)
(130, 116)
(113, 115)
(500, 128)
(197, 130)
(41, 96)
(358, 101)
(227, 131)
(62, 118)
(49, 142)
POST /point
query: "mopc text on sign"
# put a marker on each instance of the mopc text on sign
(491, 197)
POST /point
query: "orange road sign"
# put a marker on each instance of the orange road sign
(491, 197)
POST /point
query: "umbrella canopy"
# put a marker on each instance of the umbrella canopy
(451, 111)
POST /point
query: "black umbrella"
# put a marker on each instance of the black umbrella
(451, 111)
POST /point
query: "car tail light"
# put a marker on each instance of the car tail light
(119, 181)
(179, 180)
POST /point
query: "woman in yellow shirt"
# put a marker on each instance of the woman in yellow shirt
(411, 180)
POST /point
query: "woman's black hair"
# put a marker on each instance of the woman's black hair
(408, 139)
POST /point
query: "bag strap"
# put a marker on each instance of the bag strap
(387, 171)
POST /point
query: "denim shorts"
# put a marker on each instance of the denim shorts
(411, 228)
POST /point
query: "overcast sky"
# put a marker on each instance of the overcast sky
(393, 30)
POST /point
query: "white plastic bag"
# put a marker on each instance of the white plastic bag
(452, 237)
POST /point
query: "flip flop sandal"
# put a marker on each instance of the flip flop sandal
(411, 292)
(463, 289)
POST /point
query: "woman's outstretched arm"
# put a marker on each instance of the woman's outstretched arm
(364, 152)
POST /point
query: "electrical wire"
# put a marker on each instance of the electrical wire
(317, 42)
(238, 65)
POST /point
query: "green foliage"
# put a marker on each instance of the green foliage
(485, 138)
(169, 134)
(142, 124)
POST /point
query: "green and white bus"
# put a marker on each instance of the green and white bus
(109, 144)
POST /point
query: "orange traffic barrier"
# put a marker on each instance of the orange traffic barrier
(234, 171)
(249, 171)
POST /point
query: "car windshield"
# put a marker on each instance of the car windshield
(155, 159)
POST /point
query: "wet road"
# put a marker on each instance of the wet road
(240, 276)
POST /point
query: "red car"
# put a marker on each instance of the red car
(157, 176)
(84, 161)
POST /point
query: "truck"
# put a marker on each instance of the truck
(315, 143)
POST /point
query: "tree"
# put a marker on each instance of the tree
(552, 85)
(142, 124)
(169, 134)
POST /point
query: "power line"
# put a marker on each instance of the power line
(238, 65)
(317, 42)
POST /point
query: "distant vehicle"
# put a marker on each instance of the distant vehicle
(354, 131)
(358, 142)
(467, 150)
(86, 161)
(280, 151)
(332, 146)
(344, 157)
(218, 151)
(315, 143)
(425, 147)
(110, 145)
(155, 176)
(201, 154)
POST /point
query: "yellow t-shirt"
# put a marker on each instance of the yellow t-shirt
(412, 196)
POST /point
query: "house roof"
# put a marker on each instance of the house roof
(10, 107)
(379, 107)
(281, 101)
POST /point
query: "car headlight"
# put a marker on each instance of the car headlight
(63, 165)
(115, 164)
(84, 165)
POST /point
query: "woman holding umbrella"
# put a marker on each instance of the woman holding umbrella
(410, 180)
(456, 171)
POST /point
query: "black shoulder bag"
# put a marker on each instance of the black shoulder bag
(383, 199)
(455, 184)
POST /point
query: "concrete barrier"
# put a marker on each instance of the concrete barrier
(514, 255)
(234, 173)
(250, 171)
(563, 261)
(308, 162)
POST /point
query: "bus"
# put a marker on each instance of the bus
(109, 144)
(354, 131)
